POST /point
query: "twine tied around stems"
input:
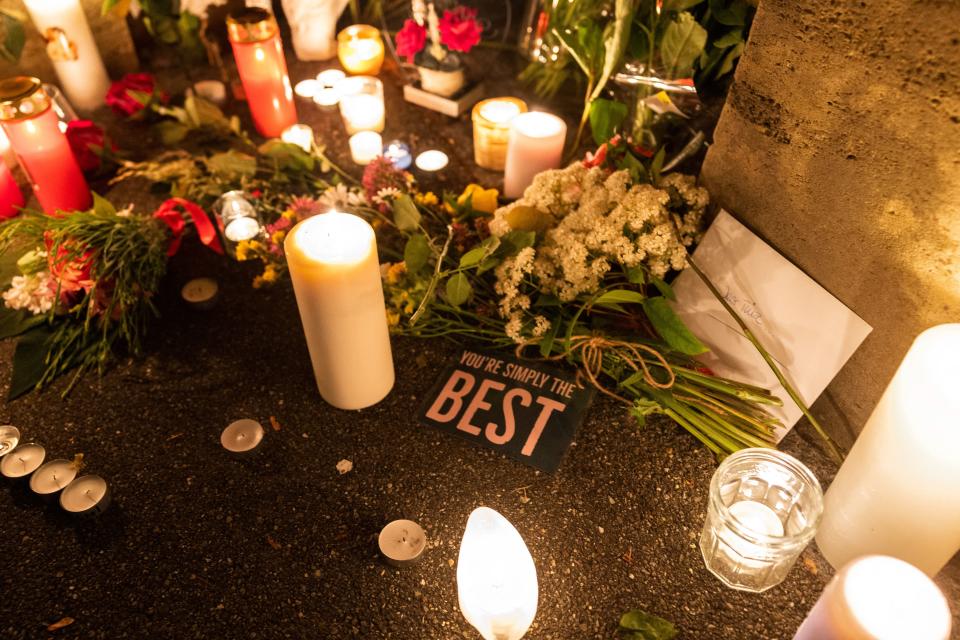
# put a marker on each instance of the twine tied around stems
(591, 350)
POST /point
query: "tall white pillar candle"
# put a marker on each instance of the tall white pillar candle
(878, 597)
(897, 492)
(335, 271)
(535, 144)
(72, 50)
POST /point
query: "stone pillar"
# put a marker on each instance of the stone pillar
(840, 145)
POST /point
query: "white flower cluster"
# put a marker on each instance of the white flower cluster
(600, 221)
(340, 196)
(35, 292)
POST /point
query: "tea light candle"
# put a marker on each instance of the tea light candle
(896, 494)
(491, 129)
(242, 436)
(877, 597)
(9, 438)
(398, 153)
(757, 517)
(432, 160)
(240, 229)
(535, 144)
(87, 495)
(300, 135)
(211, 90)
(327, 94)
(360, 49)
(53, 476)
(307, 88)
(365, 146)
(22, 461)
(335, 271)
(361, 104)
(402, 542)
(72, 50)
(200, 293)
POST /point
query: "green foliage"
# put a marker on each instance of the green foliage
(639, 625)
(671, 328)
(683, 41)
(606, 116)
(405, 213)
(12, 35)
(459, 289)
(416, 252)
(167, 25)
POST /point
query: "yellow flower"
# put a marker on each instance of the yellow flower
(289, 214)
(395, 272)
(481, 199)
(278, 236)
(270, 274)
(427, 199)
(243, 250)
(393, 318)
(258, 282)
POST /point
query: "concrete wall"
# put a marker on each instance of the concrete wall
(840, 144)
(110, 32)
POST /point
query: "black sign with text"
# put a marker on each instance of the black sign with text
(528, 410)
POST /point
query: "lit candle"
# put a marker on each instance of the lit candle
(398, 153)
(43, 151)
(877, 597)
(9, 438)
(491, 129)
(22, 461)
(327, 94)
(87, 495)
(402, 542)
(307, 88)
(211, 90)
(72, 50)
(11, 198)
(53, 476)
(365, 146)
(897, 492)
(432, 160)
(535, 144)
(257, 48)
(360, 49)
(200, 293)
(300, 135)
(361, 104)
(335, 271)
(496, 578)
(242, 437)
(238, 218)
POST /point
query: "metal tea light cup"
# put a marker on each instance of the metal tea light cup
(85, 497)
(763, 510)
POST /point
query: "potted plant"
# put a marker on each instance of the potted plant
(439, 62)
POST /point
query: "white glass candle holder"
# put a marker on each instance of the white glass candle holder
(239, 220)
(763, 510)
(361, 104)
(365, 146)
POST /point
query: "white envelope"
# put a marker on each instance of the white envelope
(809, 333)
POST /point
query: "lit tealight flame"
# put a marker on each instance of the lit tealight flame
(496, 577)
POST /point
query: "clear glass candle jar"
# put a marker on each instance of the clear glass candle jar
(360, 49)
(763, 510)
(239, 220)
(33, 128)
(255, 39)
(361, 104)
(491, 130)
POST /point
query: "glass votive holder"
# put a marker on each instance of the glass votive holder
(239, 220)
(361, 104)
(60, 105)
(360, 49)
(763, 510)
(491, 129)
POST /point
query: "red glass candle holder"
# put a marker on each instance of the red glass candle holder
(41, 147)
(11, 198)
(258, 51)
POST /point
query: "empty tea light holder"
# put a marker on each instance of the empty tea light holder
(238, 218)
(763, 510)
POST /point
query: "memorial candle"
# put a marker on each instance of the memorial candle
(257, 48)
(11, 198)
(333, 264)
(22, 461)
(53, 476)
(87, 495)
(72, 50)
(491, 129)
(535, 144)
(897, 492)
(361, 104)
(360, 49)
(41, 147)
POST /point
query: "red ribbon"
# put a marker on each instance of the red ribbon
(169, 213)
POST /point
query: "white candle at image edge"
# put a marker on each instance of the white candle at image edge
(335, 272)
(242, 436)
(53, 476)
(240, 229)
(535, 144)
(402, 542)
(300, 135)
(365, 146)
(22, 461)
(9, 438)
(84, 494)
(432, 160)
(878, 598)
(898, 492)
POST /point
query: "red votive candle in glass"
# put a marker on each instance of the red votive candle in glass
(258, 51)
(41, 147)
(11, 198)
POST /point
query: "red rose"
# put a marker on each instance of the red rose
(411, 39)
(459, 29)
(133, 93)
(87, 143)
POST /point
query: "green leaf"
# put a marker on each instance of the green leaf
(458, 289)
(730, 38)
(29, 361)
(472, 258)
(102, 206)
(682, 43)
(487, 264)
(14, 37)
(730, 59)
(171, 132)
(637, 275)
(617, 36)
(188, 28)
(637, 624)
(620, 296)
(405, 213)
(288, 156)
(15, 322)
(416, 252)
(546, 343)
(671, 328)
(731, 14)
(657, 164)
(605, 117)
(665, 289)
(232, 165)
(679, 5)
(514, 241)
